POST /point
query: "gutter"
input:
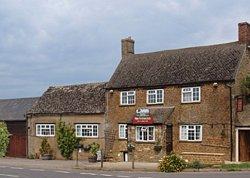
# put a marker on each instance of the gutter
(231, 122)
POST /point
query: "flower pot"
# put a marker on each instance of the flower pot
(157, 148)
(92, 159)
(47, 157)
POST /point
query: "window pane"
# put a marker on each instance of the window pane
(187, 97)
(196, 93)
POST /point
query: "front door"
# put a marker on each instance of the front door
(244, 145)
(169, 139)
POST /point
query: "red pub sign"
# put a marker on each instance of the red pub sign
(142, 117)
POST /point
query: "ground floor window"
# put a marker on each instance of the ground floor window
(45, 130)
(86, 130)
(123, 131)
(145, 133)
(191, 132)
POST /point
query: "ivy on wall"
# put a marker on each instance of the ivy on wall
(4, 139)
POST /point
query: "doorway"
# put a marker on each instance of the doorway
(125, 156)
(243, 144)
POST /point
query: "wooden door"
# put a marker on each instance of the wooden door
(169, 139)
(17, 146)
(244, 145)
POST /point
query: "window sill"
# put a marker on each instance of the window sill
(193, 102)
(153, 104)
(122, 139)
(126, 105)
(190, 141)
(145, 142)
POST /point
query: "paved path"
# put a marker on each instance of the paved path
(24, 172)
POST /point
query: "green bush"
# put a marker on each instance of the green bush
(66, 139)
(197, 165)
(172, 163)
(4, 139)
(94, 147)
(45, 147)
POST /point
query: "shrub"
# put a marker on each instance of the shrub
(4, 139)
(172, 163)
(197, 165)
(94, 147)
(66, 139)
(45, 147)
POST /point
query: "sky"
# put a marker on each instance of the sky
(62, 42)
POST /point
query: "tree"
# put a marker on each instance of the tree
(4, 139)
(66, 139)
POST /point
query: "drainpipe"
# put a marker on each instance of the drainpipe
(231, 122)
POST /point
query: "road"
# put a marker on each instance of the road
(22, 172)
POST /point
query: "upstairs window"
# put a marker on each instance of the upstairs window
(190, 94)
(123, 131)
(45, 130)
(127, 98)
(87, 130)
(155, 96)
(191, 132)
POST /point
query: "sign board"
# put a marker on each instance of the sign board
(142, 117)
(239, 104)
(142, 112)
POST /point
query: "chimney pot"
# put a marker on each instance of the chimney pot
(244, 33)
(127, 46)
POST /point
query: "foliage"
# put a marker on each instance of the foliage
(45, 147)
(235, 167)
(4, 139)
(197, 165)
(245, 87)
(66, 139)
(94, 147)
(172, 163)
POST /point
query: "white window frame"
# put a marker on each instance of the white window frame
(124, 136)
(192, 94)
(186, 134)
(86, 125)
(156, 98)
(128, 94)
(136, 132)
(46, 126)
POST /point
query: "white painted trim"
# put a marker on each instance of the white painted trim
(191, 95)
(197, 140)
(40, 134)
(126, 104)
(80, 136)
(155, 96)
(237, 141)
(125, 131)
(148, 134)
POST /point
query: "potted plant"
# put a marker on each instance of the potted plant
(157, 146)
(45, 150)
(130, 147)
(94, 147)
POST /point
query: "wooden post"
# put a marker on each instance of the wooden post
(133, 159)
(101, 158)
(77, 152)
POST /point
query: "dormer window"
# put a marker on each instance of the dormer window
(127, 98)
(155, 96)
(190, 94)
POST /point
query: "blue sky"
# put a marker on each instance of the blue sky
(61, 42)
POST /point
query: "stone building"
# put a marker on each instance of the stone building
(81, 106)
(181, 100)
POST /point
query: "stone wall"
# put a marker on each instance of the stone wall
(34, 141)
(213, 113)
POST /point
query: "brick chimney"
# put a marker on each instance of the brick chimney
(127, 46)
(244, 33)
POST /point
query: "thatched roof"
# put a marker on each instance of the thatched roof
(15, 109)
(77, 99)
(179, 66)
